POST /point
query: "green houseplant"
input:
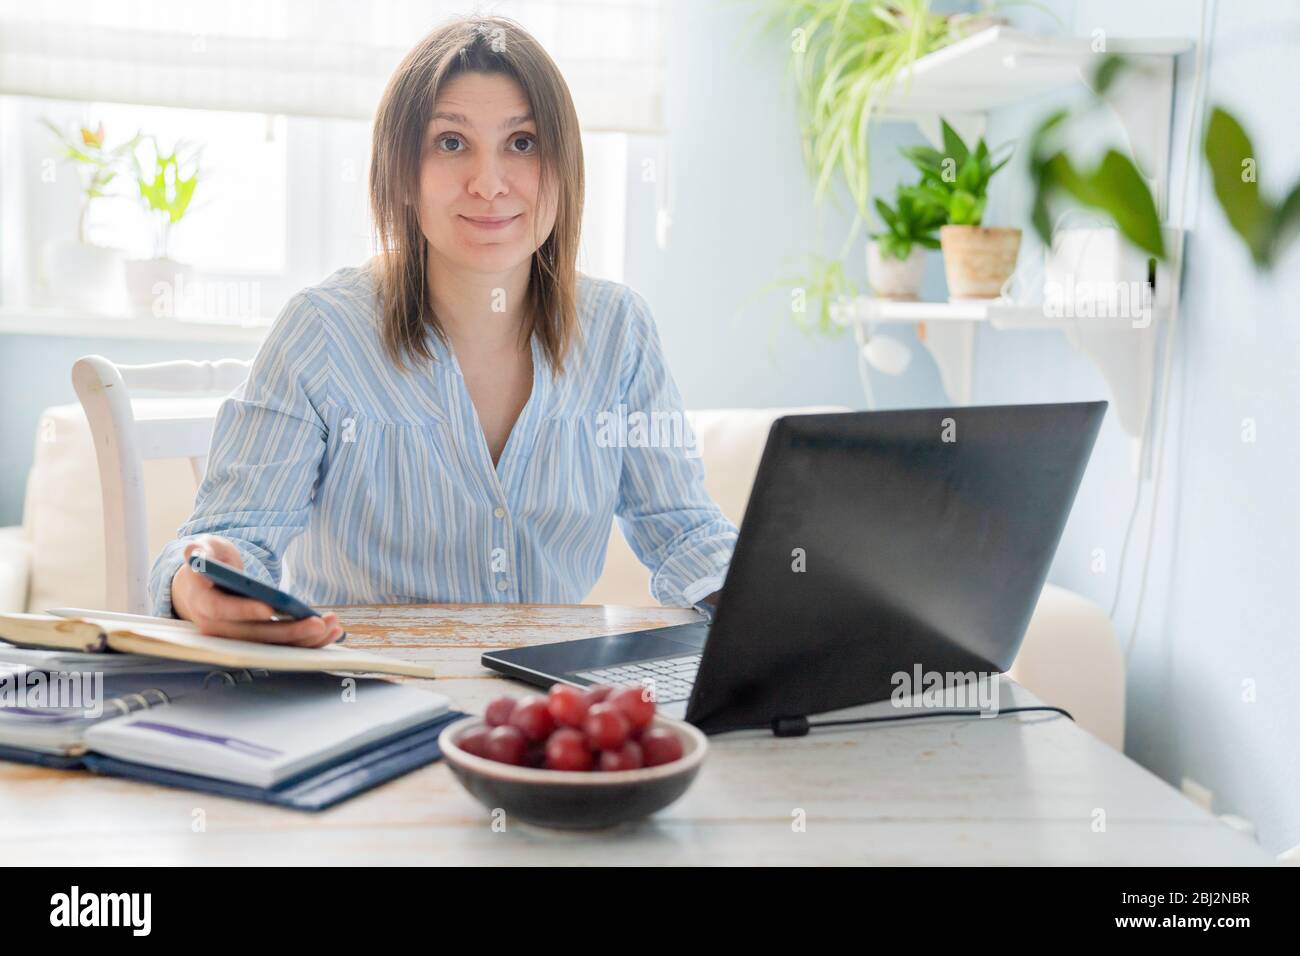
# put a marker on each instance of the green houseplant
(895, 255)
(977, 259)
(1267, 228)
(96, 162)
(166, 183)
(846, 56)
(1116, 187)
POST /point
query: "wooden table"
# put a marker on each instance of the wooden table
(1018, 789)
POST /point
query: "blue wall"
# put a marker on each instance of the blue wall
(1216, 628)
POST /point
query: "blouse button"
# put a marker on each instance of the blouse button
(500, 512)
(501, 585)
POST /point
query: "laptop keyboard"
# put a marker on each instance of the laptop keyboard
(670, 677)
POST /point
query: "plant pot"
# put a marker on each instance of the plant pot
(82, 277)
(978, 260)
(152, 285)
(892, 278)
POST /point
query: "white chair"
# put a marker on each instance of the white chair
(128, 431)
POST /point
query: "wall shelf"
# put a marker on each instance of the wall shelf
(1002, 67)
(1123, 348)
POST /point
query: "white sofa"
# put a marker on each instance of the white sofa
(1070, 656)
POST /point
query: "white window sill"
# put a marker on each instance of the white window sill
(58, 322)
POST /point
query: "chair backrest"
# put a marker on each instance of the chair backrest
(127, 431)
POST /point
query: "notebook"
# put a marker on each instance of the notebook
(300, 740)
(182, 641)
(56, 721)
(262, 733)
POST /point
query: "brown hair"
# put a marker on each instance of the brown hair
(479, 44)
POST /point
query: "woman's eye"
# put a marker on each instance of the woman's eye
(529, 141)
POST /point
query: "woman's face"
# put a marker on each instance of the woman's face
(480, 162)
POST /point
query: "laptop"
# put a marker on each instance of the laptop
(872, 543)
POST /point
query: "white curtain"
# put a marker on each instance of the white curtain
(327, 58)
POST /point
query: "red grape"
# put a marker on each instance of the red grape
(506, 745)
(532, 718)
(606, 727)
(598, 692)
(535, 755)
(498, 712)
(474, 742)
(660, 746)
(568, 704)
(567, 750)
(627, 757)
(635, 704)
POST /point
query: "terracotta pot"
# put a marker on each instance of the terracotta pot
(892, 278)
(978, 260)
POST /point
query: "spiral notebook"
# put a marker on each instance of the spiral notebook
(300, 740)
(66, 705)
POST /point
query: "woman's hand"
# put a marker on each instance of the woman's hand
(216, 612)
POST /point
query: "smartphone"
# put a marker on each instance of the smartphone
(233, 581)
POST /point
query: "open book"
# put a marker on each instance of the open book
(181, 641)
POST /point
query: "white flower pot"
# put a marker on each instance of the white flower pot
(82, 277)
(152, 284)
(892, 278)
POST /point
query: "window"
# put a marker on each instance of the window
(238, 218)
(278, 94)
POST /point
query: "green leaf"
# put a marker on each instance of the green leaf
(1041, 218)
(970, 176)
(952, 143)
(1128, 200)
(963, 209)
(1115, 187)
(886, 213)
(1286, 224)
(1231, 157)
(1110, 67)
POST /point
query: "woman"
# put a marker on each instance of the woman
(435, 425)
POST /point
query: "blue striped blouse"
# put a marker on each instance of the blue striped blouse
(347, 481)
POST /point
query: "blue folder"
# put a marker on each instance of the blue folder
(317, 788)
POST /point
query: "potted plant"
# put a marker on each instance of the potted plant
(896, 255)
(846, 60)
(76, 273)
(166, 187)
(977, 259)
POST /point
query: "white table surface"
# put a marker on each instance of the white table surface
(1020, 789)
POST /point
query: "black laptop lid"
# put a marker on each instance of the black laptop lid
(877, 541)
